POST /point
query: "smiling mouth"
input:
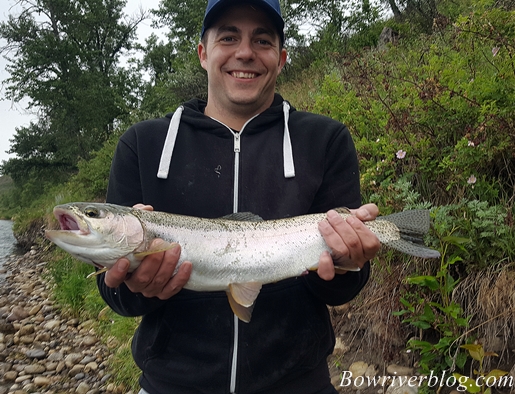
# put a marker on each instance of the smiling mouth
(243, 75)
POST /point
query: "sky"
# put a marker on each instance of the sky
(15, 115)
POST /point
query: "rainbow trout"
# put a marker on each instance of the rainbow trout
(237, 253)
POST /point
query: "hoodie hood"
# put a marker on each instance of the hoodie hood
(195, 109)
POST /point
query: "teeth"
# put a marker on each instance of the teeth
(243, 75)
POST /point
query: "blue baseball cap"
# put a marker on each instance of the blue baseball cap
(271, 7)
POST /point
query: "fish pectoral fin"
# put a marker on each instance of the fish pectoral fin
(96, 273)
(160, 247)
(242, 297)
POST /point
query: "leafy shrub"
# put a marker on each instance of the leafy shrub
(437, 110)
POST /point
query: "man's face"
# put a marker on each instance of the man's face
(242, 56)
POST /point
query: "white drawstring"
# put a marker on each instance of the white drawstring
(166, 154)
(173, 129)
(289, 167)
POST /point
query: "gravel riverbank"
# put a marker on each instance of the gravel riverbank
(41, 350)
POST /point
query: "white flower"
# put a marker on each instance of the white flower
(471, 143)
(400, 154)
(472, 179)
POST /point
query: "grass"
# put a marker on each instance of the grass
(78, 296)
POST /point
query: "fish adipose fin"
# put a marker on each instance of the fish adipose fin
(241, 298)
(412, 225)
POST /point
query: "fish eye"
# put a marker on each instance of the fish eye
(91, 212)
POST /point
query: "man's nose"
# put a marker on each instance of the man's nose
(245, 50)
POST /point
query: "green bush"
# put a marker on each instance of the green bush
(437, 110)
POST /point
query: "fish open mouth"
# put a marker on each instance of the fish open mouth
(69, 222)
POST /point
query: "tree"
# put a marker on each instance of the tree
(64, 57)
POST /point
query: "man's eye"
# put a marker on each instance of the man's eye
(264, 42)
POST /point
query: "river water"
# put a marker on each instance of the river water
(7, 242)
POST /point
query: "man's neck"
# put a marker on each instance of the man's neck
(235, 118)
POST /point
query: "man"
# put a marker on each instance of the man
(244, 150)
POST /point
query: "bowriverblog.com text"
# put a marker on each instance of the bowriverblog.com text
(432, 381)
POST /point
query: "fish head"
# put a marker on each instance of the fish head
(98, 234)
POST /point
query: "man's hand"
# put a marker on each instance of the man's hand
(350, 240)
(154, 277)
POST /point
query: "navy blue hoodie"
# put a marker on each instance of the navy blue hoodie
(192, 342)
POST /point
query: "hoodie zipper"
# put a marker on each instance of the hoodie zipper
(236, 185)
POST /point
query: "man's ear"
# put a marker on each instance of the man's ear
(283, 56)
(202, 55)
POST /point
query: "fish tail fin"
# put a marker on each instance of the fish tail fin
(412, 225)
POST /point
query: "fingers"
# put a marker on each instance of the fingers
(155, 276)
(326, 266)
(117, 274)
(352, 243)
(366, 212)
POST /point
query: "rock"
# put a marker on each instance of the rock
(371, 371)
(27, 339)
(92, 366)
(87, 360)
(6, 327)
(26, 330)
(10, 376)
(34, 369)
(76, 370)
(42, 381)
(57, 356)
(52, 325)
(358, 368)
(82, 388)
(27, 288)
(340, 347)
(72, 359)
(36, 353)
(60, 366)
(35, 309)
(404, 385)
(17, 313)
(23, 379)
(398, 370)
(89, 340)
(52, 366)
(43, 337)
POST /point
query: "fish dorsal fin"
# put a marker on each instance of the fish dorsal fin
(243, 217)
(241, 298)
(160, 247)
